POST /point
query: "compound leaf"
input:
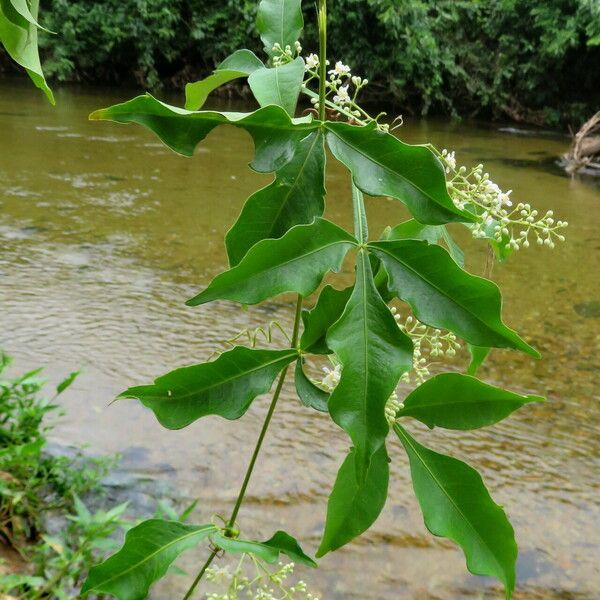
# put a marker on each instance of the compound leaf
(374, 354)
(354, 505)
(224, 387)
(296, 262)
(456, 505)
(296, 197)
(443, 295)
(149, 550)
(382, 165)
(457, 401)
(275, 134)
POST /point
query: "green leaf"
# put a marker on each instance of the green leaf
(354, 505)
(478, 356)
(196, 93)
(275, 134)
(382, 165)
(279, 22)
(22, 8)
(456, 505)
(297, 262)
(67, 382)
(241, 60)
(413, 230)
(456, 401)
(240, 64)
(374, 354)
(224, 387)
(310, 395)
(18, 34)
(454, 249)
(145, 557)
(442, 295)
(318, 320)
(280, 85)
(296, 197)
(269, 551)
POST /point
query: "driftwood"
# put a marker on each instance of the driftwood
(585, 149)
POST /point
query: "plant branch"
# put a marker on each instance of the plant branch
(255, 453)
(322, 22)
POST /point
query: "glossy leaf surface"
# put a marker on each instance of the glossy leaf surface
(149, 550)
(279, 85)
(328, 309)
(310, 394)
(296, 197)
(443, 295)
(457, 505)
(354, 505)
(19, 35)
(269, 551)
(382, 165)
(279, 22)
(296, 262)
(374, 353)
(224, 387)
(275, 134)
(456, 401)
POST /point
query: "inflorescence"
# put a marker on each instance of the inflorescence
(262, 584)
(474, 191)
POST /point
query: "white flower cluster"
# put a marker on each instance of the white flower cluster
(392, 406)
(282, 56)
(426, 341)
(263, 585)
(338, 87)
(497, 218)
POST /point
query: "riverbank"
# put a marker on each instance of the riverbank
(533, 62)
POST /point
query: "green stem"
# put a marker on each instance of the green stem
(322, 21)
(259, 442)
(361, 231)
(209, 560)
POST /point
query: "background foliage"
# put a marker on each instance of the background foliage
(532, 60)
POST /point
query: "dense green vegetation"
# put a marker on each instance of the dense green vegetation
(535, 60)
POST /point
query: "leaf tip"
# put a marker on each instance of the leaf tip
(97, 115)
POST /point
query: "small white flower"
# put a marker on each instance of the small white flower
(312, 61)
(340, 70)
(450, 161)
(332, 377)
(342, 97)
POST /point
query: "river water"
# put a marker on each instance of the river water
(104, 234)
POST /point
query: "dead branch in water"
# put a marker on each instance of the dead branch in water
(585, 149)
